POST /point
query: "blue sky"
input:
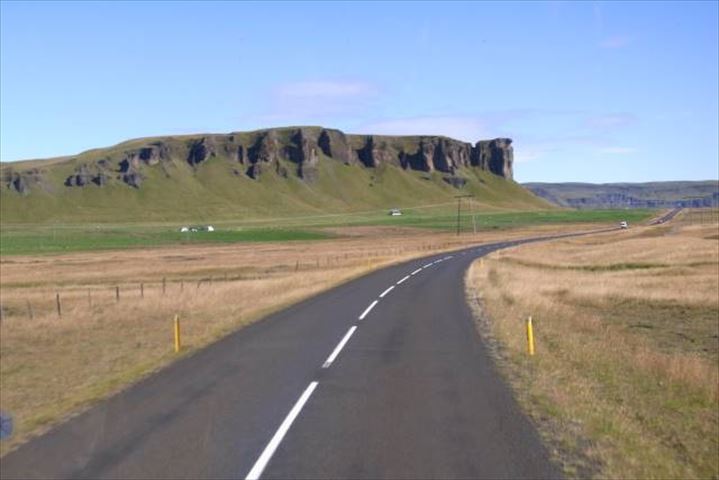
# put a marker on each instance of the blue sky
(594, 92)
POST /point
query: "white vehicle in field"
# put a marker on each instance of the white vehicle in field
(623, 225)
(196, 228)
(395, 212)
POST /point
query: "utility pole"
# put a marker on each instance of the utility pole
(474, 216)
(459, 209)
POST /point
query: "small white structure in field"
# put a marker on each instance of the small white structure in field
(208, 228)
(395, 212)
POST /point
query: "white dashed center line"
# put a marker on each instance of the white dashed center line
(371, 306)
(339, 347)
(386, 291)
(269, 450)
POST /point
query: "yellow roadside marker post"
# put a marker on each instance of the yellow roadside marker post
(530, 336)
(177, 333)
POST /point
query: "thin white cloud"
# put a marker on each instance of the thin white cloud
(617, 150)
(528, 149)
(468, 129)
(610, 121)
(325, 89)
(614, 41)
(319, 101)
(528, 154)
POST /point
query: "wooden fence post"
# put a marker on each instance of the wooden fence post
(142, 290)
(59, 307)
(530, 336)
(117, 293)
(30, 313)
(177, 333)
(163, 285)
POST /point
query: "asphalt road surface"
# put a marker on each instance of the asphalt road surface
(382, 377)
(667, 216)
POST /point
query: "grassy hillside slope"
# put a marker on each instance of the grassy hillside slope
(218, 189)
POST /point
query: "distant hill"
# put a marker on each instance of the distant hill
(287, 171)
(631, 195)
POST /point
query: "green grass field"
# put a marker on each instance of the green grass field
(448, 221)
(73, 239)
(27, 239)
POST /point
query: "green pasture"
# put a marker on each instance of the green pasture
(40, 239)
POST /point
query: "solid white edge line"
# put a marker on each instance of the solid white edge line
(339, 347)
(428, 265)
(405, 278)
(269, 450)
(371, 306)
(416, 271)
(386, 291)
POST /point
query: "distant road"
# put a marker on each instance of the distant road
(666, 217)
(383, 377)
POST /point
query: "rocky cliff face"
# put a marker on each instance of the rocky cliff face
(285, 151)
(496, 156)
(21, 182)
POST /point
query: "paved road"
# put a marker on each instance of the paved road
(383, 377)
(667, 216)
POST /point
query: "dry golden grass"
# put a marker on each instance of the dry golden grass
(624, 382)
(51, 367)
(698, 216)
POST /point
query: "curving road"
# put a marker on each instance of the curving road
(667, 216)
(383, 377)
